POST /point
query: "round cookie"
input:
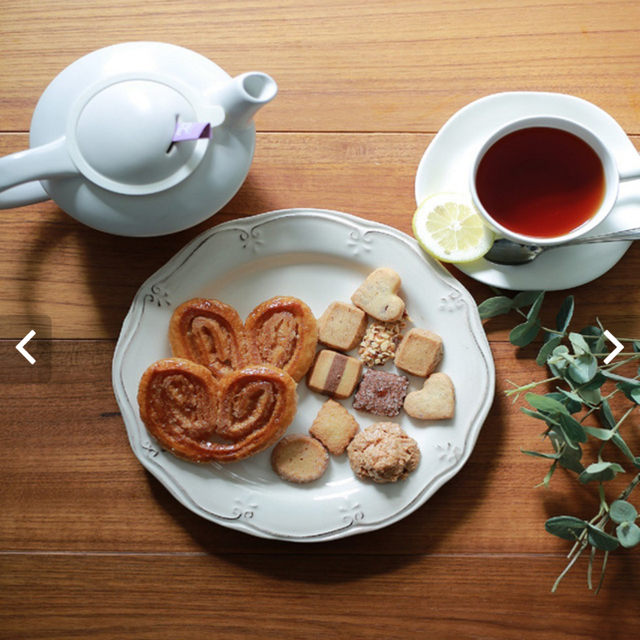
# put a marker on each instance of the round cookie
(299, 458)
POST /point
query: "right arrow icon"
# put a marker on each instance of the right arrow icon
(616, 343)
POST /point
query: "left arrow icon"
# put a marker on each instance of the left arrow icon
(22, 350)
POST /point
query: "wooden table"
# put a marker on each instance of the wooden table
(93, 546)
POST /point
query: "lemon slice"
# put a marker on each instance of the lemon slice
(448, 227)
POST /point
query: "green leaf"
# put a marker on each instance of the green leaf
(606, 415)
(565, 527)
(565, 314)
(601, 539)
(537, 415)
(569, 399)
(534, 312)
(572, 429)
(601, 434)
(546, 403)
(525, 298)
(524, 334)
(591, 334)
(579, 344)
(622, 511)
(629, 534)
(622, 445)
(600, 472)
(631, 390)
(547, 350)
(583, 369)
(493, 307)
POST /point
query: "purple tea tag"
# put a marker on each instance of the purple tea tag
(191, 131)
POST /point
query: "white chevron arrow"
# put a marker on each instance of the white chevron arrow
(22, 350)
(616, 343)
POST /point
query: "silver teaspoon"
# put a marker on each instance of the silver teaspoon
(511, 253)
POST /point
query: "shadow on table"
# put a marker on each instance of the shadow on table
(439, 527)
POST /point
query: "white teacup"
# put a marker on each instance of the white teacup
(544, 180)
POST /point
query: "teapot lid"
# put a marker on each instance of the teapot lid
(121, 136)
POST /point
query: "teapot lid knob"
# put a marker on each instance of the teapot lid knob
(122, 137)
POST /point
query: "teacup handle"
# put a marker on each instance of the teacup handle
(21, 172)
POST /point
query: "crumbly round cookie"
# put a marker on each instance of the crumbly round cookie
(383, 452)
(299, 458)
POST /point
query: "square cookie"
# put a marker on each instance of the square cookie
(341, 326)
(381, 393)
(419, 353)
(334, 374)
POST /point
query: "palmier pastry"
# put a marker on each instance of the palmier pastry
(283, 332)
(179, 402)
(201, 419)
(257, 404)
(210, 333)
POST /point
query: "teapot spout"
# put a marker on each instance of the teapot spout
(243, 96)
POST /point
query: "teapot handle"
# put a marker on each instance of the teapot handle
(20, 173)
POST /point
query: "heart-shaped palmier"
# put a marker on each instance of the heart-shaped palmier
(201, 419)
(257, 404)
(179, 402)
(210, 333)
(283, 332)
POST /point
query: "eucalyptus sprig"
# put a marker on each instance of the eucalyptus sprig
(583, 386)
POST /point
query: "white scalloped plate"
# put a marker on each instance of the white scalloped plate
(318, 256)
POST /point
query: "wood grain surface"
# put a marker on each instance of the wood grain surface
(91, 545)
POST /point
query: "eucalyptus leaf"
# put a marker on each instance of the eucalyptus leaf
(601, 434)
(622, 445)
(628, 534)
(537, 415)
(591, 333)
(493, 307)
(622, 511)
(563, 319)
(524, 334)
(579, 344)
(569, 399)
(565, 527)
(547, 350)
(590, 396)
(534, 312)
(606, 415)
(583, 369)
(601, 539)
(572, 428)
(526, 298)
(631, 390)
(546, 403)
(600, 472)
(595, 383)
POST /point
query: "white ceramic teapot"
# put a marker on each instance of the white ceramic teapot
(108, 143)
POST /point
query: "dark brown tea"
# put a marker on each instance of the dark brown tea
(541, 182)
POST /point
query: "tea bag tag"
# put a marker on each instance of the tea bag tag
(191, 131)
(213, 116)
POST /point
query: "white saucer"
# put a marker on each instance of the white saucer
(447, 161)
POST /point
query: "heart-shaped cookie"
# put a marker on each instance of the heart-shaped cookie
(210, 333)
(378, 295)
(202, 419)
(435, 401)
(283, 332)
